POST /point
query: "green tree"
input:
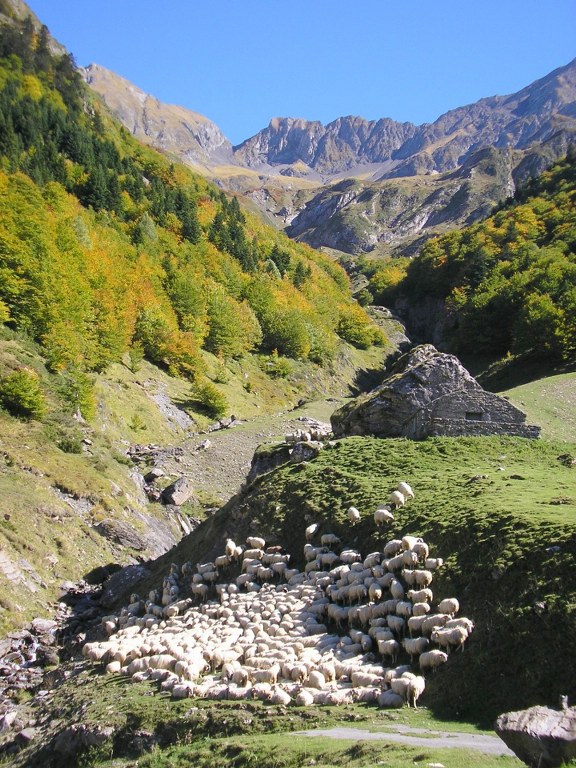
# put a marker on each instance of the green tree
(21, 394)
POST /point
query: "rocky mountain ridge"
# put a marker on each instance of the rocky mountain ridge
(408, 182)
(167, 127)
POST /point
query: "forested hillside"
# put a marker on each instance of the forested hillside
(108, 248)
(508, 284)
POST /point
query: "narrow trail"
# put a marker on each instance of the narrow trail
(219, 470)
(419, 737)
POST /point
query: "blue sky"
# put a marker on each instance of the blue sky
(242, 62)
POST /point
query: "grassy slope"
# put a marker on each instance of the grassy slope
(551, 402)
(491, 507)
(205, 733)
(46, 538)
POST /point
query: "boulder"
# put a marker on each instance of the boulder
(75, 738)
(178, 492)
(154, 474)
(540, 736)
(428, 393)
(121, 583)
(305, 451)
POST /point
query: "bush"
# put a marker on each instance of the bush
(70, 443)
(213, 402)
(21, 394)
(275, 366)
(356, 328)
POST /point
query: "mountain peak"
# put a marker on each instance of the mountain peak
(195, 138)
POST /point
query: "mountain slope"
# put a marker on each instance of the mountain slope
(532, 114)
(195, 139)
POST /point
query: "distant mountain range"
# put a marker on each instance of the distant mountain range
(356, 185)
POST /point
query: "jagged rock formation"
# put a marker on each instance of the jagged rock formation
(533, 114)
(402, 183)
(339, 146)
(196, 140)
(540, 736)
(429, 393)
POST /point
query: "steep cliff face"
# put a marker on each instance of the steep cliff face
(339, 146)
(192, 137)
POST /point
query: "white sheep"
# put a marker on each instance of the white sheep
(416, 686)
(353, 515)
(463, 622)
(421, 550)
(311, 530)
(304, 698)
(420, 596)
(329, 540)
(389, 648)
(255, 542)
(397, 499)
(454, 637)
(432, 563)
(432, 659)
(422, 578)
(392, 548)
(432, 622)
(383, 515)
(390, 700)
(414, 646)
(449, 605)
(405, 489)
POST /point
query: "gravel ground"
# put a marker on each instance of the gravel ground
(420, 737)
(218, 471)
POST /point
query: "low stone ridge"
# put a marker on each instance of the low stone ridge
(426, 394)
(540, 736)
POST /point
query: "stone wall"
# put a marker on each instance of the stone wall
(475, 404)
(465, 428)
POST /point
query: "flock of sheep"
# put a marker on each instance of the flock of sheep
(331, 634)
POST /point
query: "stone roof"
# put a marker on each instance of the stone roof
(427, 393)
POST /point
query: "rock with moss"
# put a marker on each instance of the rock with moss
(430, 393)
(540, 736)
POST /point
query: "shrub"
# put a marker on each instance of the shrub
(213, 402)
(70, 443)
(21, 394)
(355, 327)
(275, 366)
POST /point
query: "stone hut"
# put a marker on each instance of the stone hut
(429, 393)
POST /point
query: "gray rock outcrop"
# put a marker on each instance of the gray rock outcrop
(540, 736)
(430, 393)
(178, 492)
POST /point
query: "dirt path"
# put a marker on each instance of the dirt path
(219, 470)
(420, 737)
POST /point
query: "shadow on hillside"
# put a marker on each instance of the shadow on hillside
(502, 375)
(365, 380)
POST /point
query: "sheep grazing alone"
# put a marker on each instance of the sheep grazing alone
(353, 515)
